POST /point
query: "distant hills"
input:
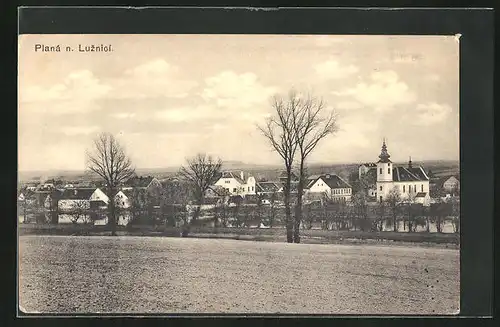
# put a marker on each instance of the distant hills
(263, 170)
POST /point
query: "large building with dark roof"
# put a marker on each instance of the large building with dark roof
(330, 185)
(411, 182)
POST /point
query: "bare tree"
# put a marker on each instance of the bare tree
(272, 216)
(381, 213)
(310, 127)
(455, 212)
(78, 210)
(200, 172)
(360, 207)
(410, 210)
(393, 199)
(279, 131)
(109, 160)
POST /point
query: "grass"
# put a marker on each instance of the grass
(255, 234)
(179, 275)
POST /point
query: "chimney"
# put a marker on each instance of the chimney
(409, 163)
(242, 175)
(327, 176)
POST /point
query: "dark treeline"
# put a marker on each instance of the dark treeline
(161, 210)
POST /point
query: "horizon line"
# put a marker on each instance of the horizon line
(243, 163)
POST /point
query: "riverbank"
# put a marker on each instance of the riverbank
(312, 236)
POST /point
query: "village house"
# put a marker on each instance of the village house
(365, 168)
(86, 197)
(411, 182)
(215, 191)
(142, 182)
(283, 176)
(31, 186)
(27, 196)
(449, 184)
(367, 176)
(330, 185)
(237, 183)
(122, 199)
(268, 189)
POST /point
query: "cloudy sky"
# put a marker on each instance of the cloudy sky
(167, 97)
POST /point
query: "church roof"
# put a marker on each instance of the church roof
(406, 174)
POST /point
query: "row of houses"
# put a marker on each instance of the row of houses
(379, 179)
(69, 197)
(234, 183)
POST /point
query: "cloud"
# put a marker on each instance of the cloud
(80, 85)
(433, 77)
(185, 114)
(432, 113)
(348, 105)
(229, 89)
(123, 115)
(156, 78)
(384, 92)
(157, 67)
(332, 69)
(78, 130)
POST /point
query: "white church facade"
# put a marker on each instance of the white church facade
(411, 182)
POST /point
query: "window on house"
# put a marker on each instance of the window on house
(388, 170)
(234, 189)
(422, 187)
(380, 171)
(380, 198)
(252, 188)
(381, 188)
(403, 188)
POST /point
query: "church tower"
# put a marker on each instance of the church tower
(384, 165)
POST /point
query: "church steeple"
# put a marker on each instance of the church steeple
(409, 163)
(384, 155)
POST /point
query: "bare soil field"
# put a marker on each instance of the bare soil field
(67, 274)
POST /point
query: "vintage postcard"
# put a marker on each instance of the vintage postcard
(238, 174)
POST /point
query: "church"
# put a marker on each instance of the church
(411, 182)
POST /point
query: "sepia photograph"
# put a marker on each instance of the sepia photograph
(238, 174)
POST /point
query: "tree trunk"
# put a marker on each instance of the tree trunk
(288, 214)
(394, 220)
(112, 213)
(298, 207)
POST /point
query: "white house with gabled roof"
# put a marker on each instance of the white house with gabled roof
(237, 183)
